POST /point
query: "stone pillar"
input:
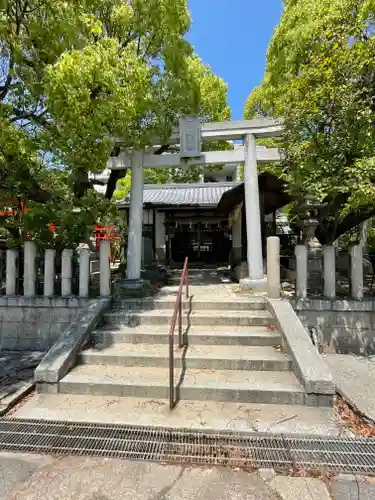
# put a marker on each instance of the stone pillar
(11, 271)
(84, 272)
(66, 272)
(135, 218)
(253, 222)
(237, 240)
(301, 271)
(29, 278)
(105, 268)
(273, 267)
(49, 272)
(356, 262)
(329, 265)
(160, 241)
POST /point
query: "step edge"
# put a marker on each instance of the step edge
(85, 380)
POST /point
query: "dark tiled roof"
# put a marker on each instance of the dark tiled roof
(204, 194)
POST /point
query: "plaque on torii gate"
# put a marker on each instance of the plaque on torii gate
(190, 137)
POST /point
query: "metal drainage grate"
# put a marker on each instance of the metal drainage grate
(256, 450)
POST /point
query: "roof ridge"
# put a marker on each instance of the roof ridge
(186, 185)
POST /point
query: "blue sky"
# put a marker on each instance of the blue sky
(232, 36)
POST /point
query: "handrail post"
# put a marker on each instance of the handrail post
(171, 373)
(177, 311)
(180, 323)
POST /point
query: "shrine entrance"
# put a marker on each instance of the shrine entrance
(188, 139)
(204, 241)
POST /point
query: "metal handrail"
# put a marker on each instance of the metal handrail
(177, 311)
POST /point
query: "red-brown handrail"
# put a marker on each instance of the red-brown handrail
(177, 310)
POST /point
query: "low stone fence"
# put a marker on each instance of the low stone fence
(343, 324)
(327, 267)
(31, 272)
(33, 321)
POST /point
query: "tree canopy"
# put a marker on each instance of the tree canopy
(76, 77)
(320, 77)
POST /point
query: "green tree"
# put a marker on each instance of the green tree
(79, 77)
(320, 77)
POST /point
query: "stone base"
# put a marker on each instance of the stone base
(242, 271)
(258, 285)
(236, 256)
(133, 288)
(160, 256)
(134, 284)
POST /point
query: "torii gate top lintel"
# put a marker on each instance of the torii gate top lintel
(206, 132)
(236, 130)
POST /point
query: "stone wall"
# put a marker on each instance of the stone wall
(36, 323)
(347, 326)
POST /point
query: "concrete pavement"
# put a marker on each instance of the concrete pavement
(83, 478)
(36, 477)
(354, 377)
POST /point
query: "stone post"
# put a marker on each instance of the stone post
(29, 278)
(49, 272)
(273, 267)
(84, 272)
(11, 271)
(237, 239)
(135, 218)
(160, 237)
(329, 265)
(301, 271)
(66, 272)
(253, 222)
(356, 262)
(105, 268)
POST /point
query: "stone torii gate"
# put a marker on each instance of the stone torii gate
(190, 135)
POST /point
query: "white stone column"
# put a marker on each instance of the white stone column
(273, 267)
(356, 263)
(29, 269)
(84, 272)
(135, 218)
(301, 271)
(105, 268)
(11, 271)
(49, 272)
(160, 242)
(66, 272)
(329, 269)
(237, 239)
(253, 223)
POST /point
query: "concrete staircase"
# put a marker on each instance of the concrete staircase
(233, 355)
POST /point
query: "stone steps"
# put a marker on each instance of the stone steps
(196, 357)
(279, 387)
(196, 335)
(208, 318)
(188, 304)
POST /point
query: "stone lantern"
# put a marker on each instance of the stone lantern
(308, 213)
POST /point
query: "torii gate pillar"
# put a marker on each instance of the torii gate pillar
(134, 260)
(253, 223)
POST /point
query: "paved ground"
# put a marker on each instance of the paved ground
(355, 380)
(106, 479)
(17, 367)
(36, 477)
(203, 284)
(352, 488)
(16, 375)
(192, 414)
